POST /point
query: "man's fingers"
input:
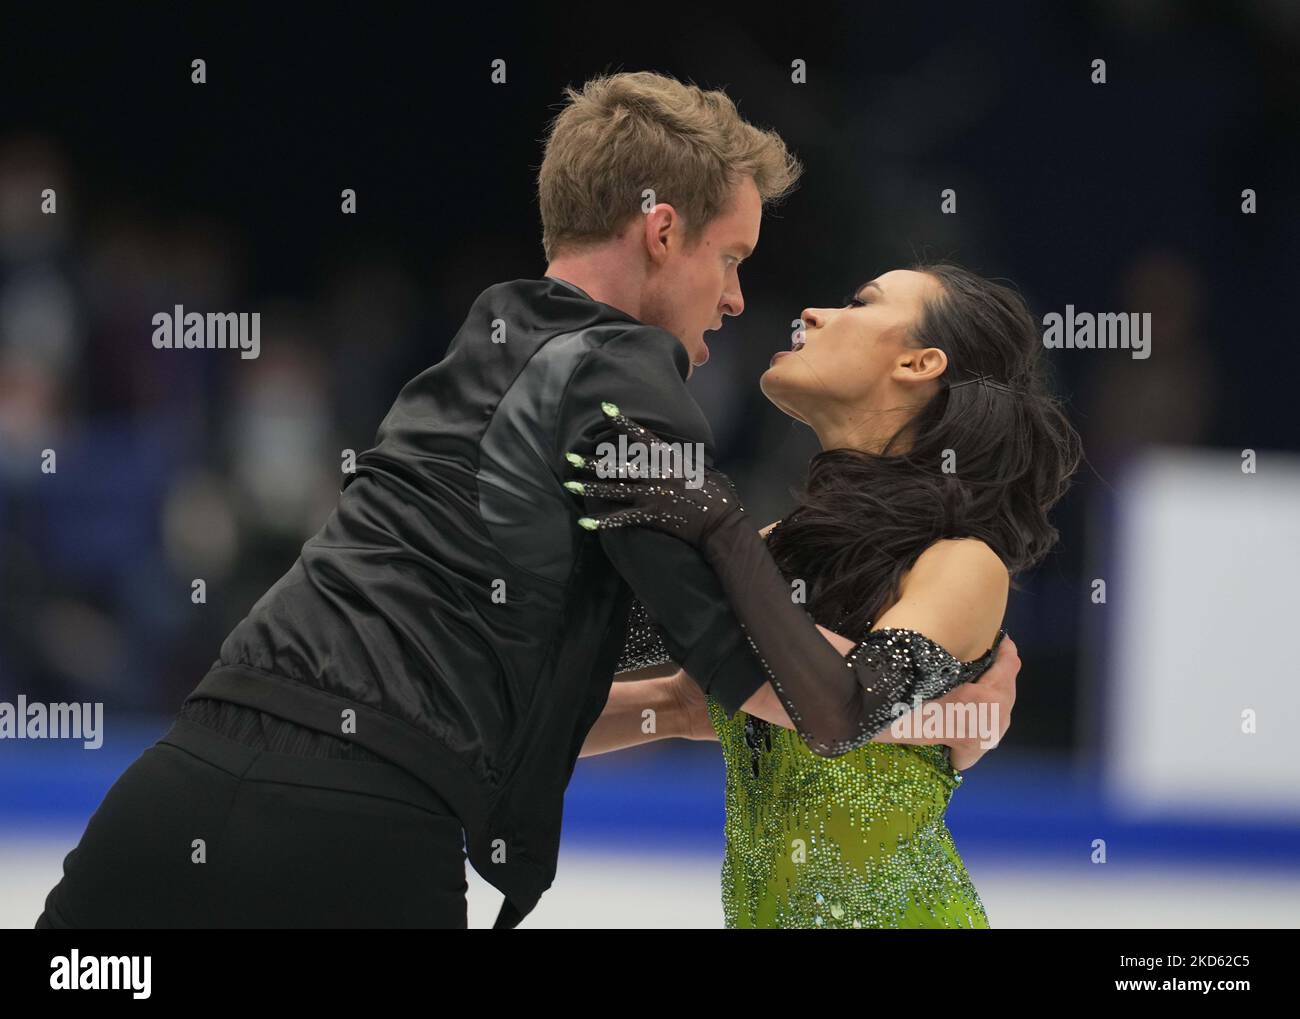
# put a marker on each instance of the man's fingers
(1009, 647)
(1002, 671)
(1007, 659)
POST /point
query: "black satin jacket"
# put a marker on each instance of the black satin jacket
(451, 617)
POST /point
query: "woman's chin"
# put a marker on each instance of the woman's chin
(783, 396)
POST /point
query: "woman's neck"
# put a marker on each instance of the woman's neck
(867, 428)
(868, 436)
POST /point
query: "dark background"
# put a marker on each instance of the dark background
(225, 196)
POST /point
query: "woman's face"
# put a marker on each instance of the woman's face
(858, 355)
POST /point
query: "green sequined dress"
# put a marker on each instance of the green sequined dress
(857, 840)
(852, 841)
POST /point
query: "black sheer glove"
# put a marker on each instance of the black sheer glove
(836, 703)
(666, 501)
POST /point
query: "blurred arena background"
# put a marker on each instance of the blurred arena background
(1117, 197)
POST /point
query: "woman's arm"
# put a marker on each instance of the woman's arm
(929, 571)
(995, 693)
(618, 727)
(951, 602)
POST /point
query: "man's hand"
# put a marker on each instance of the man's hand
(996, 688)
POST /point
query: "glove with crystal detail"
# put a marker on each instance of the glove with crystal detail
(664, 500)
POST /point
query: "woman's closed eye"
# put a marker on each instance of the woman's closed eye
(851, 301)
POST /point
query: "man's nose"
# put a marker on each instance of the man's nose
(733, 303)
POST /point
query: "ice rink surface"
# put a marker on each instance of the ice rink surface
(642, 844)
(609, 887)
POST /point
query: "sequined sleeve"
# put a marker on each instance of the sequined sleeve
(836, 703)
(644, 645)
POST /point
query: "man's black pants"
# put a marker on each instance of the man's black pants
(202, 831)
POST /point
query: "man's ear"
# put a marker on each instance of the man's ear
(658, 224)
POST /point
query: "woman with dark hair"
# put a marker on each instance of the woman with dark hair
(942, 453)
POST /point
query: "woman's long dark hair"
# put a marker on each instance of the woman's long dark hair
(863, 519)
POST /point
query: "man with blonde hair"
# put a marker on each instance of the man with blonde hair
(422, 679)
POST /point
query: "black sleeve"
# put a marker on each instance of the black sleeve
(642, 371)
(836, 703)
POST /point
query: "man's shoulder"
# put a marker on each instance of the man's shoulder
(643, 371)
(638, 343)
(558, 309)
(570, 353)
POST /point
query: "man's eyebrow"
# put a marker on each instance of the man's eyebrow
(858, 293)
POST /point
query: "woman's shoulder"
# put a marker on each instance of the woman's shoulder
(972, 557)
(956, 594)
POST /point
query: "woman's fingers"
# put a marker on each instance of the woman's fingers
(673, 523)
(598, 467)
(583, 464)
(660, 452)
(654, 451)
(612, 490)
(627, 426)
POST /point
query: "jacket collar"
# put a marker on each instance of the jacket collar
(572, 286)
(680, 358)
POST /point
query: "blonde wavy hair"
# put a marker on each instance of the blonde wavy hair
(623, 133)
